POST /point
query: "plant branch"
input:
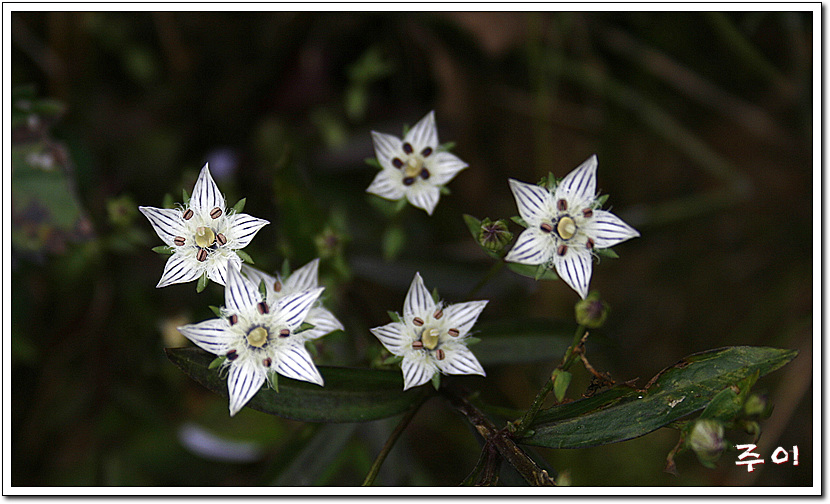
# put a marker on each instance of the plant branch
(387, 447)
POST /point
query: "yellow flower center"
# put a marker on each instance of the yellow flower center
(414, 165)
(205, 237)
(430, 338)
(566, 227)
(257, 337)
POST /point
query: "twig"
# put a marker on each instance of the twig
(387, 447)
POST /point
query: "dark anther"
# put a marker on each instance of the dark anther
(426, 152)
(562, 250)
(407, 148)
(424, 174)
(408, 181)
(397, 162)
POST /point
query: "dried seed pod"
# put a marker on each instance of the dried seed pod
(215, 213)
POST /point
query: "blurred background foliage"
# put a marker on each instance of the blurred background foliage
(701, 122)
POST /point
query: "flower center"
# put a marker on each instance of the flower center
(430, 338)
(205, 237)
(566, 228)
(412, 169)
(257, 337)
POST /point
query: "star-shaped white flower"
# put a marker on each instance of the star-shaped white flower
(257, 338)
(302, 279)
(414, 167)
(203, 235)
(431, 337)
(565, 226)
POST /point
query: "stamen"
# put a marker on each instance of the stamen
(233, 319)
(438, 314)
(546, 227)
(430, 338)
(454, 333)
(188, 214)
(562, 250)
(439, 354)
(221, 239)
(408, 181)
(562, 205)
(179, 241)
(262, 307)
(277, 286)
(266, 362)
(417, 345)
(201, 255)
(257, 337)
(590, 244)
(426, 152)
(397, 162)
(407, 148)
(231, 355)
(205, 237)
(215, 213)
(587, 213)
(424, 174)
(284, 333)
(418, 321)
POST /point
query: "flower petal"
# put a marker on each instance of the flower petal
(534, 202)
(387, 184)
(459, 360)
(444, 166)
(532, 247)
(324, 322)
(244, 381)
(418, 299)
(580, 185)
(240, 293)
(256, 276)
(211, 335)
(392, 336)
(416, 372)
(607, 230)
(294, 362)
(303, 278)
(463, 316)
(386, 147)
(167, 222)
(423, 134)
(294, 308)
(243, 229)
(206, 195)
(575, 269)
(217, 269)
(180, 268)
(424, 196)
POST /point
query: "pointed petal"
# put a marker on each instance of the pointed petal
(534, 202)
(294, 308)
(580, 185)
(294, 362)
(218, 268)
(256, 276)
(463, 316)
(418, 300)
(180, 268)
(243, 229)
(424, 196)
(532, 247)
(211, 335)
(304, 278)
(240, 293)
(324, 322)
(443, 167)
(423, 134)
(206, 195)
(460, 360)
(244, 381)
(386, 148)
(387, 184)
(392, 337)
(607, 230)
(416, 372)
(575, 269)
(167, 222)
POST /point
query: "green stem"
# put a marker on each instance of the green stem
(495, 268)
(387, 447)
(570, 354)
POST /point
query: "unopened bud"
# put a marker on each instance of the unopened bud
(757, 406)
(494, 236)
(329, 243)
(592, 311)
(706, 440)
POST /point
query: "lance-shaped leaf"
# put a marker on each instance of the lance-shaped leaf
(350, 395)
(624, 413)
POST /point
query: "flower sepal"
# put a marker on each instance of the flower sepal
(537, 272)
(202, 283)
(163, 250)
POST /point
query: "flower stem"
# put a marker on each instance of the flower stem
(495, 268)
(570, 354)
(387, 447)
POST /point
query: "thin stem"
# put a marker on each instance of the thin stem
(571, 353)
(495, 268)
(387, 447)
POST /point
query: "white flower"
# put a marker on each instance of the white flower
(302, 279)
(431, 337)
(203, 235)
(257, 338)
(565, 226)
(414, 167)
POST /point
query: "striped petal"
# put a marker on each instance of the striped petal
(211, 335)
(423, 134)
(532, 247)
(206, 195)
(386, 148)
(392, 337)
(443, 167)
(534, 202)
(580, 185)
(416, 372)
(304, 278)
(217, 269)
(244, 228)
(418, 300)
(607, 230)
(180, 268)
(166, 222)
(575, 269)
(463, 316)
(387, 184)
(256, 276)
(244, 381)
(294, 308)
(294, 362)
(424, 196)
(240, 293)
(324, 322)
(460, 360)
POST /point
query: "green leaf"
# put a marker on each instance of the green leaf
(373, 162)
(168, 202)
(215, 363)
(393, 359)
(435, 296)
(600, 200)
(516, 341)
(394, 316)
(446, 146)
(606, 252)
(472, 340)
(623, 413)
(263, 290)
(473, 225)
(518, 220)
(436, 381)
(244, 256)
(286, 268)
(350, 395)
(561, 381)
(202, 283)
(305, 326)
(163, 250)
(185, 197)
(724, 407)
(540, 272)
(444, 190)
(216, 310)
(240, 205)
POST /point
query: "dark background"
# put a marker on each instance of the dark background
(701, 123)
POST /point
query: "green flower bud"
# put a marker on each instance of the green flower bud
(494, 236)
(121, 211)
(329, 243)
(757, 406)
(706, 440)
(592, 311)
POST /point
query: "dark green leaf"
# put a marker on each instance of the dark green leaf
(394, 316)
(349, 395)
(521, 340)
(163, 250)
(623, 413)
(240, 205)
(394, 359)
(473, 224)
(216, 310)
(202, 283)
(518, 220)
(606, 252)
(185, 197)
(540, 272)
(168, 202)
(373, 162)
(561, 381)
(215, 363)
(244, 256)
(263, 290)
(305, 326)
